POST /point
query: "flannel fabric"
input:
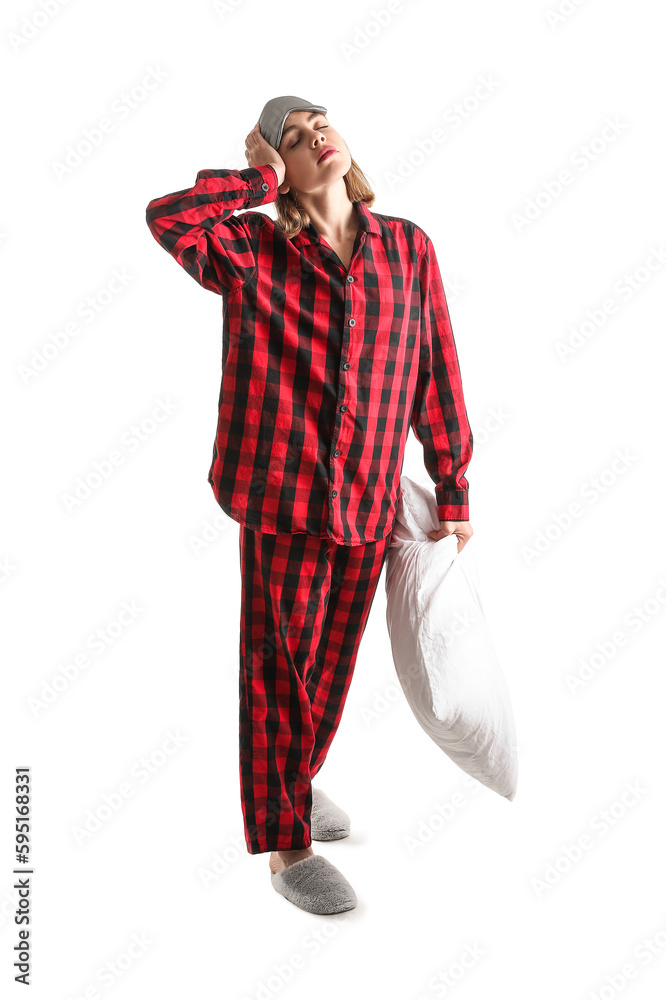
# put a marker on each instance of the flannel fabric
(324, 368)
(305, 603)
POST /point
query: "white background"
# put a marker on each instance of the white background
(546, 428)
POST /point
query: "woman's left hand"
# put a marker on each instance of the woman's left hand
(463, 529)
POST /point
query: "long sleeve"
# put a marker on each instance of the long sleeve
(199, 229)
(439, 417)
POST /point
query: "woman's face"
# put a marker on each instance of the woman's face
(305, 137)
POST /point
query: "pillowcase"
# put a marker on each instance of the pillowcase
(442, 648)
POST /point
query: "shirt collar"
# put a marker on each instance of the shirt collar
(368, 222)
(367, 219)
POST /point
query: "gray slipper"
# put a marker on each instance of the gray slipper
(315, 885)
(327, 821)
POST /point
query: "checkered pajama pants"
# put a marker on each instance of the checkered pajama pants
(304, 606)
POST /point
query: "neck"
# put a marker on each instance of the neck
(331, 211)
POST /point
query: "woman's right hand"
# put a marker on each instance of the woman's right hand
(260, 153)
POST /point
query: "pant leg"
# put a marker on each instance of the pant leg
(354, 577)
(304, 605)
(284, 587)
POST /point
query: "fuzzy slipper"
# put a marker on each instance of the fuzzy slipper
(327, 821)
(315, 885)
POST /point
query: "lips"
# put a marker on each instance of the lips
(327, 152)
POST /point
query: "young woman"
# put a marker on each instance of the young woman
(336, 339)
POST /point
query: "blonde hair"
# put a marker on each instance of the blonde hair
(292, 217)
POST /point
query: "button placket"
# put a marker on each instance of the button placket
(345, 366)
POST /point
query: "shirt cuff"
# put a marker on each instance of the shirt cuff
(262, 185)
(453, 505)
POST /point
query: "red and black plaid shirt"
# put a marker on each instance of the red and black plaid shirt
(323, 368)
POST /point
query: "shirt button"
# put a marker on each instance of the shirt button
(346, 365)
(334, 493)
(336, 452)
(350, 278)
(352, 322)
(344, 408)
(264, 186)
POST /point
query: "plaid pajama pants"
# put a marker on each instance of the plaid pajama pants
(304, 606)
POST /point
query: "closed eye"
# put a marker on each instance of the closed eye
(298, 140)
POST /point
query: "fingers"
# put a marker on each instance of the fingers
(253, 134)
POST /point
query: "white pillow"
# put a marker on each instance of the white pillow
(442, 649)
